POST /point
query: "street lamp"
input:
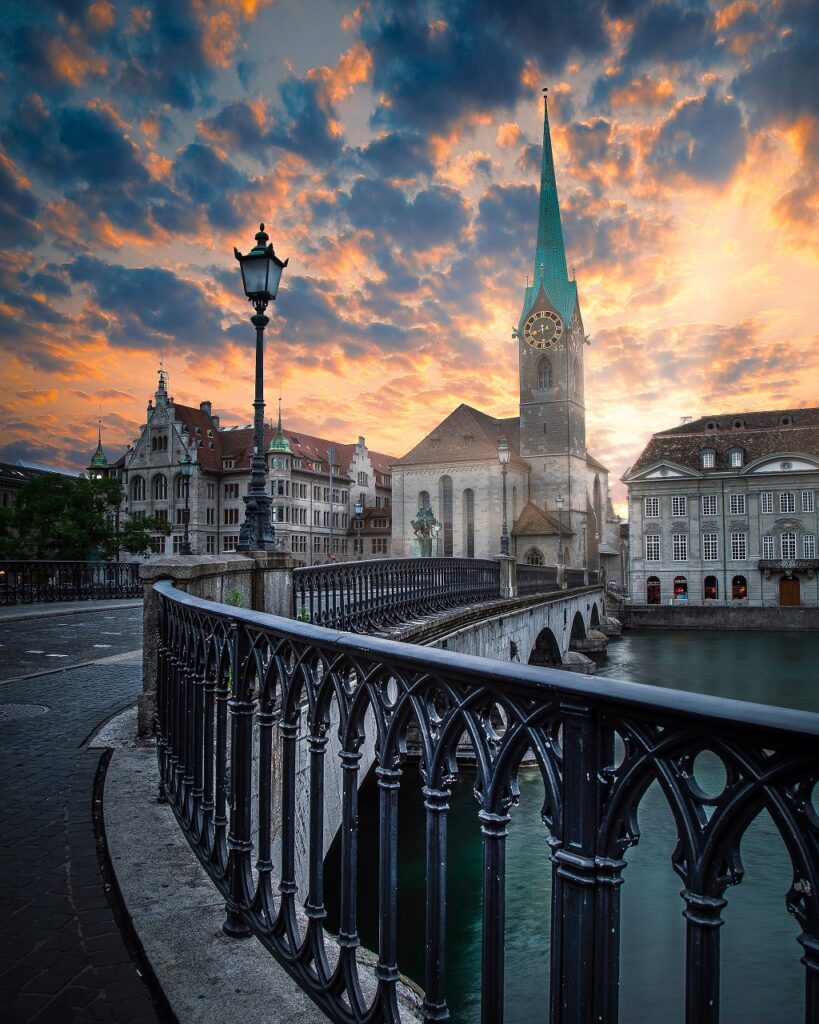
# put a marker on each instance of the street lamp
(559, 506)
(436, 532)
(261, 274)
(504, 454)
(583, 522)
(186, 471)
(359, 520)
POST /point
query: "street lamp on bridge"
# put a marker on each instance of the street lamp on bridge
(559, 500)
(504, 454)
(261, 274)
(186, 472)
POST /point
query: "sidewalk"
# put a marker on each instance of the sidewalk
(21, 612)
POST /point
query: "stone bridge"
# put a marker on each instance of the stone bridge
(556, 629)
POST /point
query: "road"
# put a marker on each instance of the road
(63, 641)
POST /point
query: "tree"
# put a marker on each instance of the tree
(57, 517)
(138, 532)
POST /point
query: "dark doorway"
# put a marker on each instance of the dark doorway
(739, 588)
(710, 588)
(789, 591)
(652, 590)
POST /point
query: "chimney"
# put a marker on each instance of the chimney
(215, 421)
(205, 407)
(361, 442)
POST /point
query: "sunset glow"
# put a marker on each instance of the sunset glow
(392, 150)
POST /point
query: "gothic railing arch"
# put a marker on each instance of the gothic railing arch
(240, 694)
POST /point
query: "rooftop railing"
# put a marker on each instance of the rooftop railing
(34, 581)
(246, 700)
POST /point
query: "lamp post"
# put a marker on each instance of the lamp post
(261, 274)
(359, 522)
(583, 523)
(504, 454)
(186, 470)
(559, 506)
(436, 532)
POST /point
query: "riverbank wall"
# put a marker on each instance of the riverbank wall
(651, 616)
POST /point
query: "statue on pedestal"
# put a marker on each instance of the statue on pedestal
(424, 524)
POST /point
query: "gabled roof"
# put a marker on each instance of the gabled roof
(466, 435)
(534, 521)
(761, 434)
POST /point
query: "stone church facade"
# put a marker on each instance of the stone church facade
(558, 507)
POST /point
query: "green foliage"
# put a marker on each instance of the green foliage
(55, 517)
(235, 598)
(137, 533)
(304, 615)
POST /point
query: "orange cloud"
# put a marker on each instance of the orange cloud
(508, 135)
(353, 68)
(72, 59)
(101, 15)
(643, 91)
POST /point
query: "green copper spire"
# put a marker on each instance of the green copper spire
(550, 255)
(279, 442)
(98, 459)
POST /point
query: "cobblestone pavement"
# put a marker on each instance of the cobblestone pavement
(62, 955)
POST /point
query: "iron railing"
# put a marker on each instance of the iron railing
(29, 582)
(366, 595)
(536, 579)
(243, 697)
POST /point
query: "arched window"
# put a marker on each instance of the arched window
(653, 590)
(710, 588)
(179, 487)
(680, 588)
(544, 374)
(469, 522)
(138, 488)
(159, 487)
(534, 557)
(445, 497)
(423, 499)
(577, 383)
(739, 588)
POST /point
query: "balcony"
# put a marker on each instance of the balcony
(808, 566)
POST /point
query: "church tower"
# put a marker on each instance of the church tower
(550, 351)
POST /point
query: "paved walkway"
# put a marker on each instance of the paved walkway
(62, 954)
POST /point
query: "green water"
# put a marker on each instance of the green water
(762, 980)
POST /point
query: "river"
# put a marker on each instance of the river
(762, 980)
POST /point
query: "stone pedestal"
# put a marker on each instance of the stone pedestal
(508, 576)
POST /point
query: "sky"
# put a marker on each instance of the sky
(393, 150)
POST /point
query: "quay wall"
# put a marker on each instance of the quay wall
(652, 616)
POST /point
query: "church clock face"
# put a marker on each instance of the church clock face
(542, 329)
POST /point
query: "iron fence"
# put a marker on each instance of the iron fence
(34, 581)
(366, 595)
(536, 579)
(243, 696)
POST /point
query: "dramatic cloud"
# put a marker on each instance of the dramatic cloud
(393, 150)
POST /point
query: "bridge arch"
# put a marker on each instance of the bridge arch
(594, 617)
(546, 650)
(578, 629)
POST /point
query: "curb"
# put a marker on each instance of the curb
(55, 610)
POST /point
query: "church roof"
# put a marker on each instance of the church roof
(550, 271)
(534, 521)
(466, 435)
(756, 433)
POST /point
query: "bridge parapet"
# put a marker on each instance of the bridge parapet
(240, 693)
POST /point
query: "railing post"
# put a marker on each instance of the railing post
(386, 970)
(240, 846)
(703, 921)
(437, 805)
(494, 831)
(585, 893)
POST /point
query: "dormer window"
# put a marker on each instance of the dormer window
(738, 424)
(708, 458)
(785, 421)
(712, 425)
(736, 458)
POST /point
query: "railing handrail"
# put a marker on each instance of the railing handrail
(616, 693)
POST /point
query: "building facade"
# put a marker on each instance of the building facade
(330, 500)
(558, 507)
(724, 510)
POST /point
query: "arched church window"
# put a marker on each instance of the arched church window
(423, 499)
(445, 499)
(544, 374)
(179, 487)
(534, 556)
(469, 522)
(138, 488)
